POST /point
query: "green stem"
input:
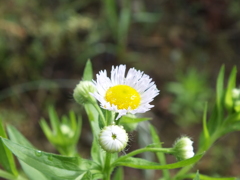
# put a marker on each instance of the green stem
(162, 160)
(138, 151)
(100, 113)
(107, 167)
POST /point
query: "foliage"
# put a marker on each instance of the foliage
(190, 92)
(36, 163)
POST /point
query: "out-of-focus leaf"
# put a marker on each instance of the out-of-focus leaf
(144, 164)
(127, 119)
(220, 95)
(96, 152)
(88, 72)
(6, 157)
(205, 128)
(197, 176)
(54, 166)
(17, 137)
(204, 177)
(160, 156)
(231, 85)
(217, 113)
(118, 174)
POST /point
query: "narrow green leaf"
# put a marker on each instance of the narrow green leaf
(9, 176)
(88, 72)
(118, 174)
(6, 157)
(144, 164)
(231, 85)
(93, 118)
(160, 156)
(128, 119)
(220, 95)
(204, 177)
(54, 120)
(205, 128)
(197, 176)
(97, 153)
(52, 165)
(46, 129)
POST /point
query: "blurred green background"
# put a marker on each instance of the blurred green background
(181, 44)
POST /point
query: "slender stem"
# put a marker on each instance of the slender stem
(107, 167)
(100, 113)
(162, 160)
(138, 151)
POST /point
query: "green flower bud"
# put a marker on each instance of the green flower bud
(82, 92)
(113, 138)
(236, 94)
(183, 149)
(236, 99)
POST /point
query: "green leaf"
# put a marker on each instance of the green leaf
(128, 119)
(93, 118)
(220, 95)
(204, 177)
(197, 176)
(205, 128)
(88, 72)
(97, 153)
(231, 85)
(6, 157)
(54, 166)
(54, 120)
(160, 156)
(32, 173)
(87, 176)
(9, 176)
(118, 174)
(17, 137)
(144, 164)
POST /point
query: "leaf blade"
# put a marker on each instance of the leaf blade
(144, 164)
(6, 157)
(55, 166)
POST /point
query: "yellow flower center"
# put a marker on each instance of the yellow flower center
(123, 97)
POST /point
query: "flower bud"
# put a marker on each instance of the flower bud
(236, 94)
(236, 99)
(183, 149)
(113, 138)
(82, 92)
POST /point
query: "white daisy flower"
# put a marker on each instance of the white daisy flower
(113, 138)
(125, 94)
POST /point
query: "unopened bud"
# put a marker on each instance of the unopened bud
(113, 138)
(82, 92)
(183, 148)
